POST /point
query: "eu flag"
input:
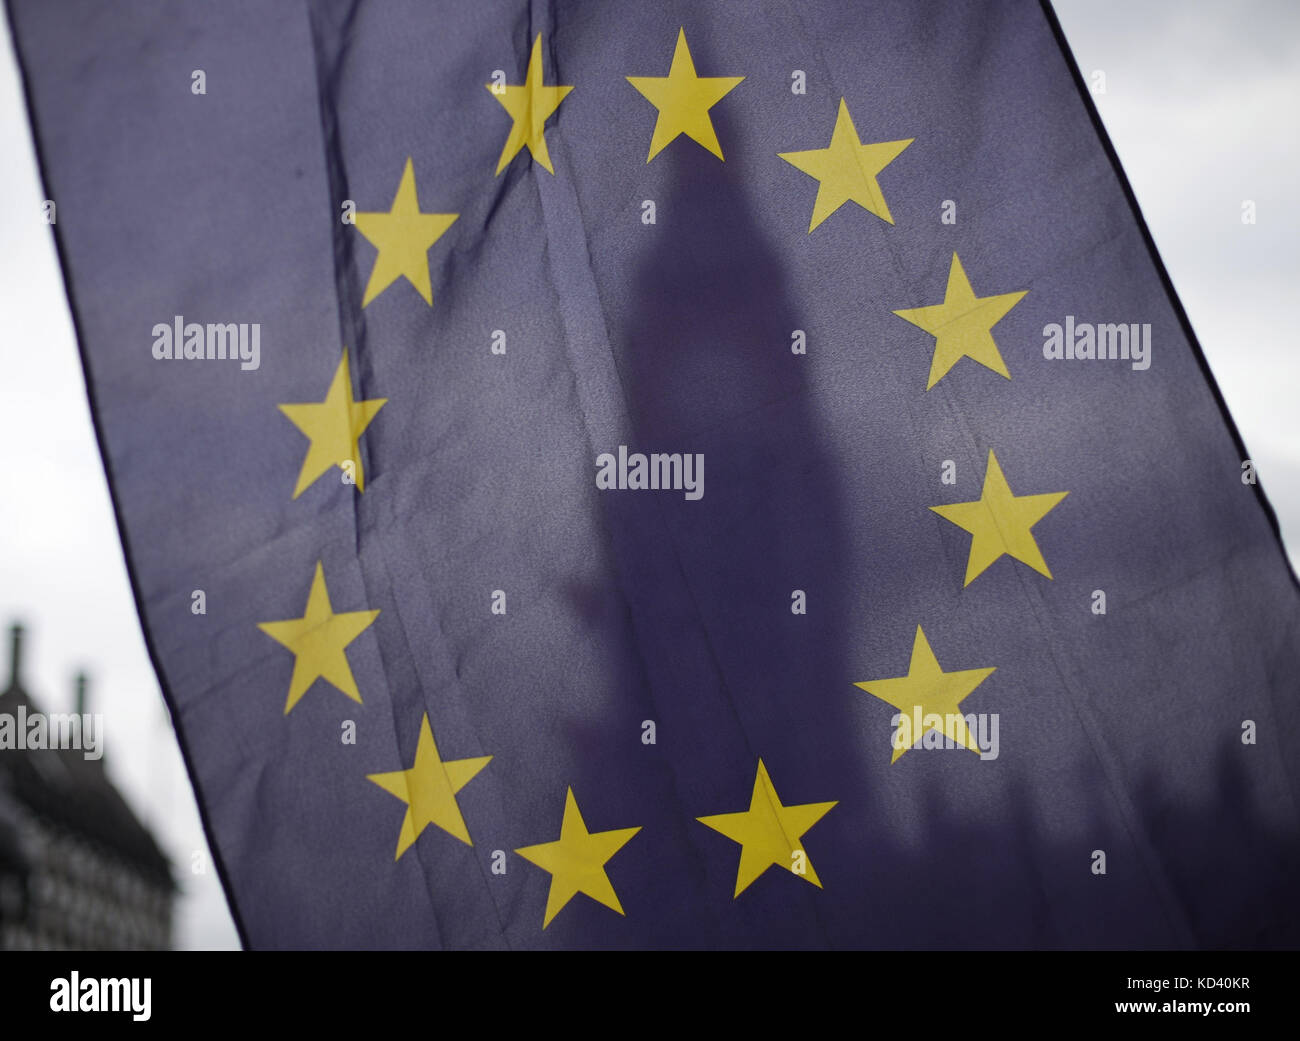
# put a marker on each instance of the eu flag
(621, 475)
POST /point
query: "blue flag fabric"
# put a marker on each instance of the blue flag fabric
(614, 475)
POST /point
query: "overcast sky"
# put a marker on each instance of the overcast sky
(1202, 102)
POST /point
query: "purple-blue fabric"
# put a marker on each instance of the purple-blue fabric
(1119, 733)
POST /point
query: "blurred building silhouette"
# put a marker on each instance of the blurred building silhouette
(78, 871)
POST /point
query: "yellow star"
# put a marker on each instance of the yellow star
(530, 106)
(683, 100)
(847, 170)
(403, 236)
(317, 640)
(1000, 522)
(334, 427)
(931, 692)
(769, 833)
(429, 790)
(962, 325)
(577, 861)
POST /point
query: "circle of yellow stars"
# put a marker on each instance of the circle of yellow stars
(770, 833)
